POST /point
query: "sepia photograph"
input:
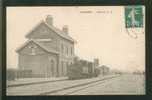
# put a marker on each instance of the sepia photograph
(75, 50)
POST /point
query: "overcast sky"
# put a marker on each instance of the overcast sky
(100, 33)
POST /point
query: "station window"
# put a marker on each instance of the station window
(67, 50)
(62, 67)
(62, 48)
(71, 51)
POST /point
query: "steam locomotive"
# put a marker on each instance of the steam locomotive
(82, 69)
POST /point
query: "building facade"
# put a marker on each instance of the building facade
(48, 51)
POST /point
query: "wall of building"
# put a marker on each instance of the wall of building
(36, 63)
(66, 56)
(39, 64)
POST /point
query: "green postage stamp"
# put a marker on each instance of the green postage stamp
(133, 16)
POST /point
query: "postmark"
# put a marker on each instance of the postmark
(134, 20)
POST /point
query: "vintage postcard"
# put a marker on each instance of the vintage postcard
(75, 50)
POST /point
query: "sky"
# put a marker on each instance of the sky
(99, 31)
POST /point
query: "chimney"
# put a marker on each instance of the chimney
(65, 29)
(49, 20)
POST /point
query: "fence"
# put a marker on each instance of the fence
(12, 74)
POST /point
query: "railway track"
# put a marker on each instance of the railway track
(34, 83)
(76, 88)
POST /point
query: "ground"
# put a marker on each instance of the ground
(127, 84)
(107, 85)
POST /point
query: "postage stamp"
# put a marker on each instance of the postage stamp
(133, 16)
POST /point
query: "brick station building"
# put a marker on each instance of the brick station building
(48, 51)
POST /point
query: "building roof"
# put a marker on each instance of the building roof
(56, 30)
(43, 45)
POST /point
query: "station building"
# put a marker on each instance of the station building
(48, 51)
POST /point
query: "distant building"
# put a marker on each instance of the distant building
(48, 51)
(104, 70)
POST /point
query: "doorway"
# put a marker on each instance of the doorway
(51, 69)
